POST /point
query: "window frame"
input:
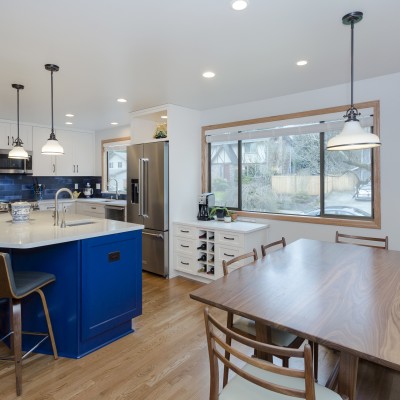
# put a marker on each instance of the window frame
(104, 163)
(373, 223)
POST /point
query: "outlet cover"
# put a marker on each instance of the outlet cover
(76, 186)
(98, 186)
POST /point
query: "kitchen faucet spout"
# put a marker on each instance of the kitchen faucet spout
(56, 203)
(116, 187)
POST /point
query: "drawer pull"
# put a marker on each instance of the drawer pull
(184, 231)
(184, 263)
(228, 238)
(93, 208)
(183, 245)
(229, 255)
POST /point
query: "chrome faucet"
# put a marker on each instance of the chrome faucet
(56, 203)
(116, 187)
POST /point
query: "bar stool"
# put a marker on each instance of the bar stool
(15, 286)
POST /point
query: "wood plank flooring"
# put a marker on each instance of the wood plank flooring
(164, 359)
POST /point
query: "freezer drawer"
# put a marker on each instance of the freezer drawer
(155, 252)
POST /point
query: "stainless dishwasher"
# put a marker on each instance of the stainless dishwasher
(116, 213)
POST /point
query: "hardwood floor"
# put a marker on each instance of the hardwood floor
(164, 359)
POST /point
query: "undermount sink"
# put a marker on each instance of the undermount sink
(79, 222)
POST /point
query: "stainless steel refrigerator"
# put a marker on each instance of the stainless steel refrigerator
(147, 201)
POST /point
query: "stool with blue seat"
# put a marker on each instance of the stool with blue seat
(15, 286)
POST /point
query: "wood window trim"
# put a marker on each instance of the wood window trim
(374, 223)
(103, 172)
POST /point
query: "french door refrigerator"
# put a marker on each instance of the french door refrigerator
(147, 201)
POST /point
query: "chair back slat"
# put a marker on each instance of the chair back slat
(226, 264)
(215, 332)
(7, 283)
(377, 243)
(264, 247)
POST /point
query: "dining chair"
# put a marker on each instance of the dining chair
(378, 243)
(15, 286)
(246, 327)
(264, 247)
(259, 379)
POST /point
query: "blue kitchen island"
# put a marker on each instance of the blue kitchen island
(98, 269)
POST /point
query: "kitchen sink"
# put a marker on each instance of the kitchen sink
(79, 222)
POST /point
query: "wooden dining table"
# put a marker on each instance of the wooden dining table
(344, 296)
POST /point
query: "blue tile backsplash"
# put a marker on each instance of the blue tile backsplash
(21, 187)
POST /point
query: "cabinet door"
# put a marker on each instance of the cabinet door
(84, 154)
(111, 282)
(5, 136)
(43, 165)
(25, 134)
(65, 163)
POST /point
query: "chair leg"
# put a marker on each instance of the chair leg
(49, 326)
(285, 362)
(314, 348)
(16, 343)
(229, 324)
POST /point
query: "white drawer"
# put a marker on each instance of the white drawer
(231, 239)
(227, 253)
(185, 231)
(91, 209)
(185, 263)
(187, 246)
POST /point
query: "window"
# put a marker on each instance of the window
(114, 164)
(281, 169)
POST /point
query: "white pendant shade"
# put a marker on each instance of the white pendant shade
(353, 137)
(52, 148)
(19, 153)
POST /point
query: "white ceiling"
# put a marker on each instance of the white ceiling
(153, 52)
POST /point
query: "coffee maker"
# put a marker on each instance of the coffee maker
(206, 202)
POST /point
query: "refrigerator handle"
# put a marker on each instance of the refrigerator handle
(140, 187)
(145, 186)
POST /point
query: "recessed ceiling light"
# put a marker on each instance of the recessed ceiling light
(68, 123)
(69, 115)
(114, 123)
(164, 116)
(122, 100)
(301, 63)
(239, 5)
(208, 74)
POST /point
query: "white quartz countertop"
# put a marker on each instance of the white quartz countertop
(40, 231)
(237, 226)
(111, 202)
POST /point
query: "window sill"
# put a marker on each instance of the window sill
(356, 223)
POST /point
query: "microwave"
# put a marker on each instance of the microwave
(13, 166)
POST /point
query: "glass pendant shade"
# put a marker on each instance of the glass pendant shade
(52, 148)
(353, 137)
(18, 152)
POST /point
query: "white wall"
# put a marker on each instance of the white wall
(383, 88)
(112, 133)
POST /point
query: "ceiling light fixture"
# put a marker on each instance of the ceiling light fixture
(164, 116)
(52, 147)
(122, 100)
(113, 123)
(69, 115)
(239, 5)
(301, 63)
(68, 123)
(18, 152)
(353, 136)
(208, 74)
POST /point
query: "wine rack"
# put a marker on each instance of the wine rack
(206, 253)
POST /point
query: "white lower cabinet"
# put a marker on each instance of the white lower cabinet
(200, 247)
(90, 209)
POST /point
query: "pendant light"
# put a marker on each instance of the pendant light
(52, 146)
(18, 152)
(353, 136)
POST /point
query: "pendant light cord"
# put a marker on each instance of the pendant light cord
(17, 115)
(352, 63)
(52, 135)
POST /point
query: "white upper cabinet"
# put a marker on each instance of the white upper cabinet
(78, 158)
(43, 165)
(9, 131)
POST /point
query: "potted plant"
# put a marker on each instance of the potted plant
(218, 213)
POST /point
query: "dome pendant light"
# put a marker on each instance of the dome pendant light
(52, 146)
(18, 152)
(353, 136)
